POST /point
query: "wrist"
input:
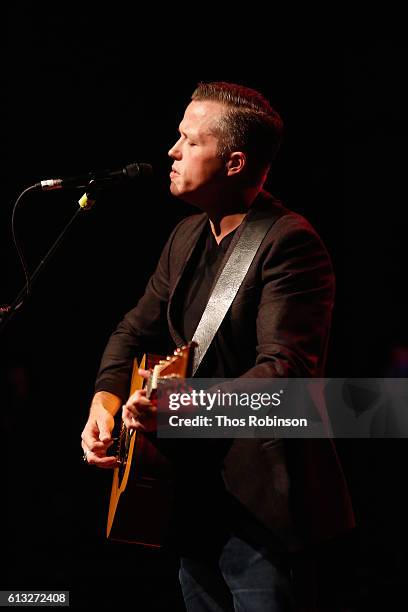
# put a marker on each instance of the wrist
(105, 401)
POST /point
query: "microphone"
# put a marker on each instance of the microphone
(82, 181)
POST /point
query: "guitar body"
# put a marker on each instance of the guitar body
(142, 492)
(141, 496)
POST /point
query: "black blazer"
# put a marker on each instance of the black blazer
(277, 326)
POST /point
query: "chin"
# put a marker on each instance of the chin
(174, 190)
(179, 191)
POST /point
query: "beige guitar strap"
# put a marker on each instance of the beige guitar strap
(239, 257)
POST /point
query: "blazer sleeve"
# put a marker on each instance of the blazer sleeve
(296, 302)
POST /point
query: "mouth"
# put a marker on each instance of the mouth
(173, 173)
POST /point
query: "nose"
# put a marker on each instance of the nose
(175, 152)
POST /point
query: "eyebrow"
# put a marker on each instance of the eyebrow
(188, 134)
(182, 131)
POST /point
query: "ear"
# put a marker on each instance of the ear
(236, 163)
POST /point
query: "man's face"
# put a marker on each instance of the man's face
(197, 172)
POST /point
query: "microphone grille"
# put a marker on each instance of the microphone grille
(139, 170)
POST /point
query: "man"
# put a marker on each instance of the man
(243, 505)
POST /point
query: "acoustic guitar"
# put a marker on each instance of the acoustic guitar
(141, 493)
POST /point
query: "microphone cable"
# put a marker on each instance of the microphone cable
(16, 241)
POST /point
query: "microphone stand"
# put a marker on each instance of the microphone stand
(7, 312)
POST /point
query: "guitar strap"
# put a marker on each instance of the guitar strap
(239, 257)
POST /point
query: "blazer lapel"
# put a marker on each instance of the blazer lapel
(195, 234)
(264, 205)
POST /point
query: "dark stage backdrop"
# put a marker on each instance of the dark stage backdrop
(85, 93)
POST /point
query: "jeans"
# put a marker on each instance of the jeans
(242, 578)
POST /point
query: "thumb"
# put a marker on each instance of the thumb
(104, 432)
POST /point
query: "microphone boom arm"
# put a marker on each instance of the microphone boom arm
(8, 311)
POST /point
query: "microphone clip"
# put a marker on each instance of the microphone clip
(88, 199)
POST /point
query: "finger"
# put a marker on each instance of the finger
(95, 453)
(97, 447)
(93, 443)
(131, 422)
(136, 403)
(139, 412)
(98, 444)
(90, 449)
(141, 424)
(145, 373)
(137, 395)
(102, 462)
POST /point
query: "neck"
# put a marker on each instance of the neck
(227, 224)
(227, 215)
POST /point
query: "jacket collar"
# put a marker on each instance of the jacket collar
(263, 204)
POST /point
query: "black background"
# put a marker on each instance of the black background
(87, 91)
